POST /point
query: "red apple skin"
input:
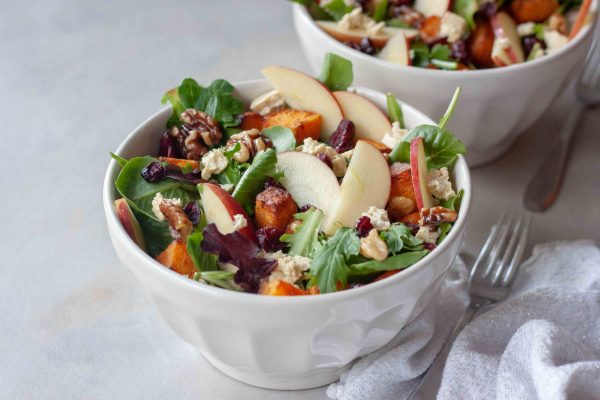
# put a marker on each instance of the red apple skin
(499, 32)
(422, 195)
(129, 222)
(232, 208)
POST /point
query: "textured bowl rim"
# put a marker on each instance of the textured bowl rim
(143, 257)
(302, 13)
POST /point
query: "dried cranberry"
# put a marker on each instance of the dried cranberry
(153, 172)
(489, 9)
(342, 138)
(271, 182)
(460, 51)
(323, 157)
(268, 239)
(192, 210)
(529, 42)
(364, 226)
(168, 147)
(305, 208)
(352, 45)
(366, 46)
(398, 3)
(429, 246)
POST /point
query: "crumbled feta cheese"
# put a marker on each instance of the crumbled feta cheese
(289, 268)
(526, 29)
(228, 187)
(213, 162)
(239, 222)
(157, 200)
(554, 40)
(314, 147)
(348, 154)
(391, 139)
(357, 20)
(428, 235)
(267, 102)
(438, 183)
(452, 26)
(379, 218)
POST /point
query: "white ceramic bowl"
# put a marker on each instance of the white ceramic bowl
(282, 342)
(495, 105)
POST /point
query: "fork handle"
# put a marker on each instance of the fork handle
(432, 377)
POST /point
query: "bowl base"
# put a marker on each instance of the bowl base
(279, 381)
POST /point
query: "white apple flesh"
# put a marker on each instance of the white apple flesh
(370, 122)
(304, 92)
(356, 35)
(366, 183)
(419, 171)
(432, 7)
(220, 209)
(507, 48)
(396, 50)
(130, 222)
(308, 179)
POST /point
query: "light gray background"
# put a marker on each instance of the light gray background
(76, 78)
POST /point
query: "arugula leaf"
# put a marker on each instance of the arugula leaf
(120, 160)
(139, 193)
(538, 31)
(440, 52)
(220, 279)
(202, 261)
(250, 184)
(467, 10)
(450, 111)
(394, 110)
(329, 266)
(380, 10)
(172, 97)
(336, 72)
(399, 237)
(400, 261)
(306, 237)
(283, 138)
(337, 9)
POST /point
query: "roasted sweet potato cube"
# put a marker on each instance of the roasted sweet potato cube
(411, 219)
(430, 29)
(274, 208)
(251, 120)
(304, 124)
(180, 163)
(386, 274)
(176, 257)
(401, 181)
(481, 43)
(281, 288)
(532, 10)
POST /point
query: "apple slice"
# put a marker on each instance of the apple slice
(396, 50)
(130, 222)
(419, 171)
(356, 35)
(366, 183)
(369, 120)
(432, 7)
(507, 48)
(308, 179)
(220, 209)
(304, 92)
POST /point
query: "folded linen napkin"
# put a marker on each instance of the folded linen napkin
(543, 342)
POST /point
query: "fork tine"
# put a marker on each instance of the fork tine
(508, 252)
(487, 246)
(515, 263)
(498, 246)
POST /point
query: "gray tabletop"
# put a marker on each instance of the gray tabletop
(77, 77)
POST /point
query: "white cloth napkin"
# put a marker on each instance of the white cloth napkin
(543, 342)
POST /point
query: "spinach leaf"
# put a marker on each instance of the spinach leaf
(120, 160)
(399, 237)
(336, 72)
(453, 203)
(283, 138)
(419, 53)
(467, 10)
(440, 52)
(394, 110)
(306, 237)
(139, 193)
(156, 233)
(398, 23)
(202, 261)
(337, 9)
(400, 261)
(251, 183)
(329, 266)
(172, 97)
(380, 11)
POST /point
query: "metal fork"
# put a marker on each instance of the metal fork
(489, 282)
(544, 187)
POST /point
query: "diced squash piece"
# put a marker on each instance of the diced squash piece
(401, 181)
(251, 120)
(303, 124)
(532, 10)
(386, 274)
(430, 29)
(411, 219)
(282, 288)
(274, 208)
(176, 257)
(180, 163)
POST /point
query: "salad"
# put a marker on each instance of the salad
(452, 35)
(312, 189)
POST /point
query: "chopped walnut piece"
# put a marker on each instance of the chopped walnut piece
(251, 142)
(180, 225)
(437, 215)
(198, 132)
